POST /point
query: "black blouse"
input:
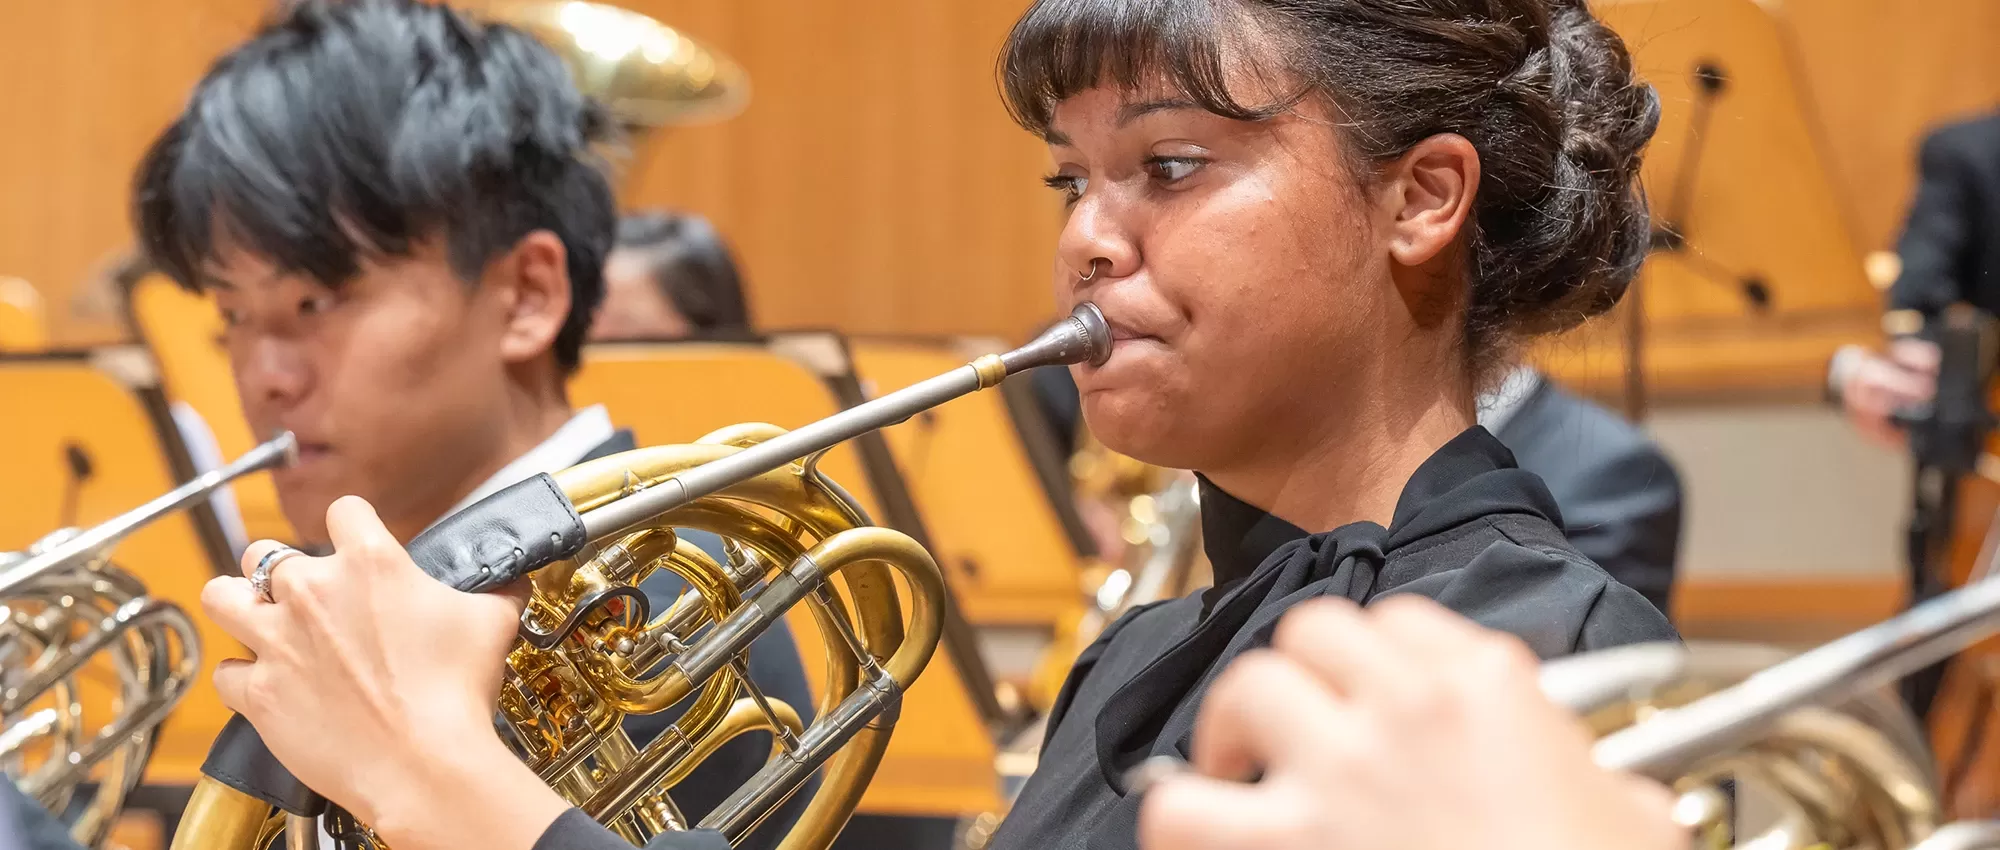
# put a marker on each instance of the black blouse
(1470, 530)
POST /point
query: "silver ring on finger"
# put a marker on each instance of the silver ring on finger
(260, 578)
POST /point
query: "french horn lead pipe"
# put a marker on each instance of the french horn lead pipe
(1082, 338)
(280, 451)
(1668, 743)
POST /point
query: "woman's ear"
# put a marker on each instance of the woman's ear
(1429, 191)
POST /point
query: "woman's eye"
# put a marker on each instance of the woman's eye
(1070, 185)
(1172, 169)
(230, 317)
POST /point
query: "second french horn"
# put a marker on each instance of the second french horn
(66, 610)
(1843, 763)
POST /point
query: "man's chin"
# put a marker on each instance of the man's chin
(307, 516)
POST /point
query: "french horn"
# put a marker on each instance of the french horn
(1843, 762)
(66, 611)
(592, 653)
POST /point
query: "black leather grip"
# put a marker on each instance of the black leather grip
(499, 539)
(239, 759)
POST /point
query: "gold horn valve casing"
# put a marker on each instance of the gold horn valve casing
(803, 540)
(592, 653)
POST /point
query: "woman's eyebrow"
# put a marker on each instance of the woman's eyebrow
(1127, 114)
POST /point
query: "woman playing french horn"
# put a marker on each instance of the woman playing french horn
(1315, 227)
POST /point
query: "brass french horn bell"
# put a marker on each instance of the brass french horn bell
(648, 74)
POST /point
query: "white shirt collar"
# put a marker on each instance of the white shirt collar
(1500, 405)
(585, 431)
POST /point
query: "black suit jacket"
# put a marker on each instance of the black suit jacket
(776, 669)
(1951, 242)
(1619, 494)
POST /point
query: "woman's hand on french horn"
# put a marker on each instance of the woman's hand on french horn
(375, 685)
(1397, 726)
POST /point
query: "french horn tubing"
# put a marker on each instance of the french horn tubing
(1844, 761)
(592, 653)
(62, 605)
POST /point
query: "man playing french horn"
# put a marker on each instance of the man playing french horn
(403, 218)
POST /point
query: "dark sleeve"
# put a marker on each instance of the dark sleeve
(26, 825)
(1623, 510)
(1621, 617)
(1556, 603)
(574, 830)
(1938, 235)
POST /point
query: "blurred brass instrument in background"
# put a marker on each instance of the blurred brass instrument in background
(1158, 516)
(591, 652)
(63, 606)
(1159, 524)
(648, 74)
(1818, 736)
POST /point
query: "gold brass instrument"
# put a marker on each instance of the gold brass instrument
(1159, 524)
(63, 604)
(648, 74)
(591, 653)
(1844, 761)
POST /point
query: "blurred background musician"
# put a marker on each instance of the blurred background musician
(407, 293)
(1930, 390)
(1619, 493)
(1949, 253)
(671, 276)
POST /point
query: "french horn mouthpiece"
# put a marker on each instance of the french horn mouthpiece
(1084, 337)
(1096, 332)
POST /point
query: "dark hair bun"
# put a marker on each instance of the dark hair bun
(1562, 220)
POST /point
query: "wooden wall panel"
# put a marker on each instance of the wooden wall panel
(874, 185)
(84, 85)
(1879, 73)
(1805, 167)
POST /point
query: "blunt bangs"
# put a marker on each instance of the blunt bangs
(1062, 48)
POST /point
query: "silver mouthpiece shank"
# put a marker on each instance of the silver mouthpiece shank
(279, 451)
